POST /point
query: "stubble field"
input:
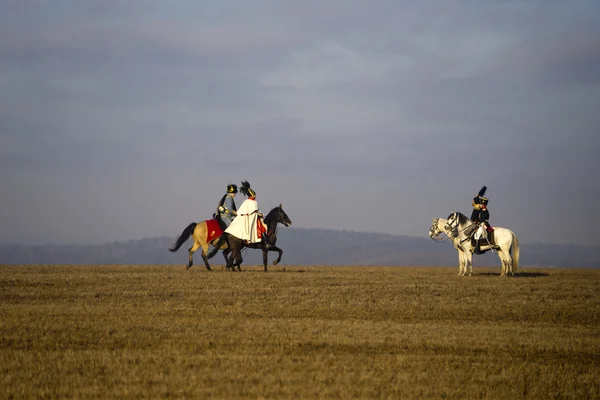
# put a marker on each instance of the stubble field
(303, 332)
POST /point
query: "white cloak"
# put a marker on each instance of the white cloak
(244, 225)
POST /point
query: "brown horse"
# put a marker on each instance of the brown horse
(205, 233)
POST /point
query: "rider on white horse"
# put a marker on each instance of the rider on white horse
(480, 216)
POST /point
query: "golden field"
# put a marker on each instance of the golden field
(298, 332)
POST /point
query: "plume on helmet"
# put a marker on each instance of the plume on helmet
(482, 191)
(247, 190)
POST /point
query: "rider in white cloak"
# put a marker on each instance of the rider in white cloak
(248, 225)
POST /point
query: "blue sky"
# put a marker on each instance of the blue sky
(127, 119)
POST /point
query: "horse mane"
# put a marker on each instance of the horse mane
(271, 215)
(462, 219)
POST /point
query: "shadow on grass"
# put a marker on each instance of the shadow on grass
(517, 274)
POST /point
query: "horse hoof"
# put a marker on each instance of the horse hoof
(275, 262)
(188, 267)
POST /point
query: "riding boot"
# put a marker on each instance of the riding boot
(477, 249)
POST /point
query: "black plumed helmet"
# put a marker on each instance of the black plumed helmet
(482, 191)
(247, 190)
(231, 188)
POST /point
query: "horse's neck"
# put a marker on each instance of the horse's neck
(465, 225)
(461, 227)
(271, 227)
(443, 222)
(271, 222)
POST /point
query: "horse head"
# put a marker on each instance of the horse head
(436, 232)
(279, 216)
(283, 217)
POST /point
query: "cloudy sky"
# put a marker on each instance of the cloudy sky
(124, 119)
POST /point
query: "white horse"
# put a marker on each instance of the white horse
(505, 242)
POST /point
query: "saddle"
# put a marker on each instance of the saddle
(489, 240)
(214, 229)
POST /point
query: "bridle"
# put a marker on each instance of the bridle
(436, 234)
(452, 226)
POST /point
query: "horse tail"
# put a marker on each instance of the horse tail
(185, 235)
(217, 246)
(515, 253)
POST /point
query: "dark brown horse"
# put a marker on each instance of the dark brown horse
(235, 245)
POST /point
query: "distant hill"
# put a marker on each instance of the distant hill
(303, 247)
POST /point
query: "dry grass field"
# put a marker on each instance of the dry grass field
(303, 332)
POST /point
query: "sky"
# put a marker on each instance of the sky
(126, 119)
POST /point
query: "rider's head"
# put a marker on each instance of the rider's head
(232, 188)
(247, 190)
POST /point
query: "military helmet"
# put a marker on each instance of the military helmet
(232, 188)
(247, 190)
(484, 200)
(482, 192)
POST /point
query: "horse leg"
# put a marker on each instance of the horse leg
(265, 252)
(468, 264)
(199, 235)
(231, 259)
(279, 251)
(461, 263)
(503, 269)
(191, 252)
(507, 263)
(225, 254)
(235, 259)
(239, 261)
(204, 258)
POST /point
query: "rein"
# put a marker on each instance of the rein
(462, 230)
(458, 232)
(437, 237)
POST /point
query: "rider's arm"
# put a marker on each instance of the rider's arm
(229, 205)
